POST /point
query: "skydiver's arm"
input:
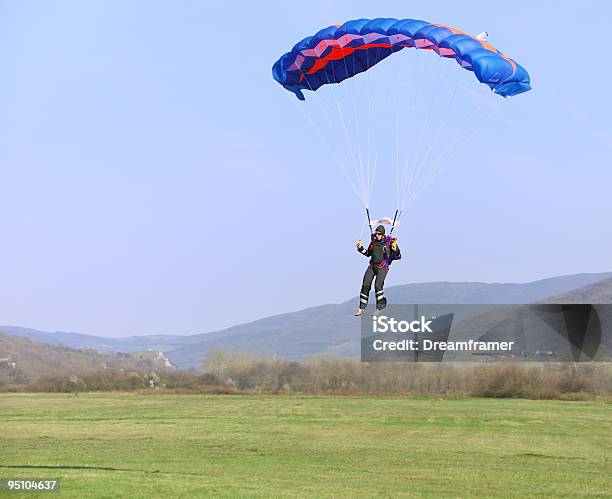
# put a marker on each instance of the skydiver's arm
(362, 250)
(397, 254)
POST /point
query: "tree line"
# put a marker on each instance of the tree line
(241, 372)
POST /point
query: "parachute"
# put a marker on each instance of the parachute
(342, 52)
(356, 46)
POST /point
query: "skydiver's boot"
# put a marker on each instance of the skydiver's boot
(359, 312)
(381, 303)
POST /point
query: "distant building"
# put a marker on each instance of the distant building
(6, 361)
(151, 355)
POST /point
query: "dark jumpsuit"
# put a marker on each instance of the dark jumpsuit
(381, 255)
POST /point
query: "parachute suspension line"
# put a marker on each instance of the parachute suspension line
(350, 146)
(364, 174)
(397, 150)
(363, 225)
(338, 162)
(409, 179)
(422, 166)
(347, 137)
(428, 169)
(360, 192)
(459, 142)
(448, 152)
(371, 175)
(371, 171)
(442, 163)
(369, 219)
(418, 164)
(424, 162)
(480, 118)
(363, 170)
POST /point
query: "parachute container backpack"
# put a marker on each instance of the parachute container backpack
(371, 103)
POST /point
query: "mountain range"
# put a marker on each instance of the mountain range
(330, 329)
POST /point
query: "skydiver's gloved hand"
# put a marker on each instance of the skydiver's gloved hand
(394, 245)
(359, 245)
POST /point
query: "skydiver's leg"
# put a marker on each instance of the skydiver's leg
(368, 277)
(381, 301)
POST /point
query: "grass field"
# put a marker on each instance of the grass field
(121, 445)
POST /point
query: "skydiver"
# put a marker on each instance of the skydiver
(382, 251)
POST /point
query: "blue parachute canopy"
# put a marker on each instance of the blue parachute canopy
(342, 51)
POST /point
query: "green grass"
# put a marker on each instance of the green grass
(121, 445)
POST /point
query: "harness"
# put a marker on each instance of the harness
(387, 258)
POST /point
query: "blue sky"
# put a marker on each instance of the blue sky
(155, 179)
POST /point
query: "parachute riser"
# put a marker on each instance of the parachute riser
(395, 218)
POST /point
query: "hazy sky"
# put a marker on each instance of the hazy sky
(155, 179)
